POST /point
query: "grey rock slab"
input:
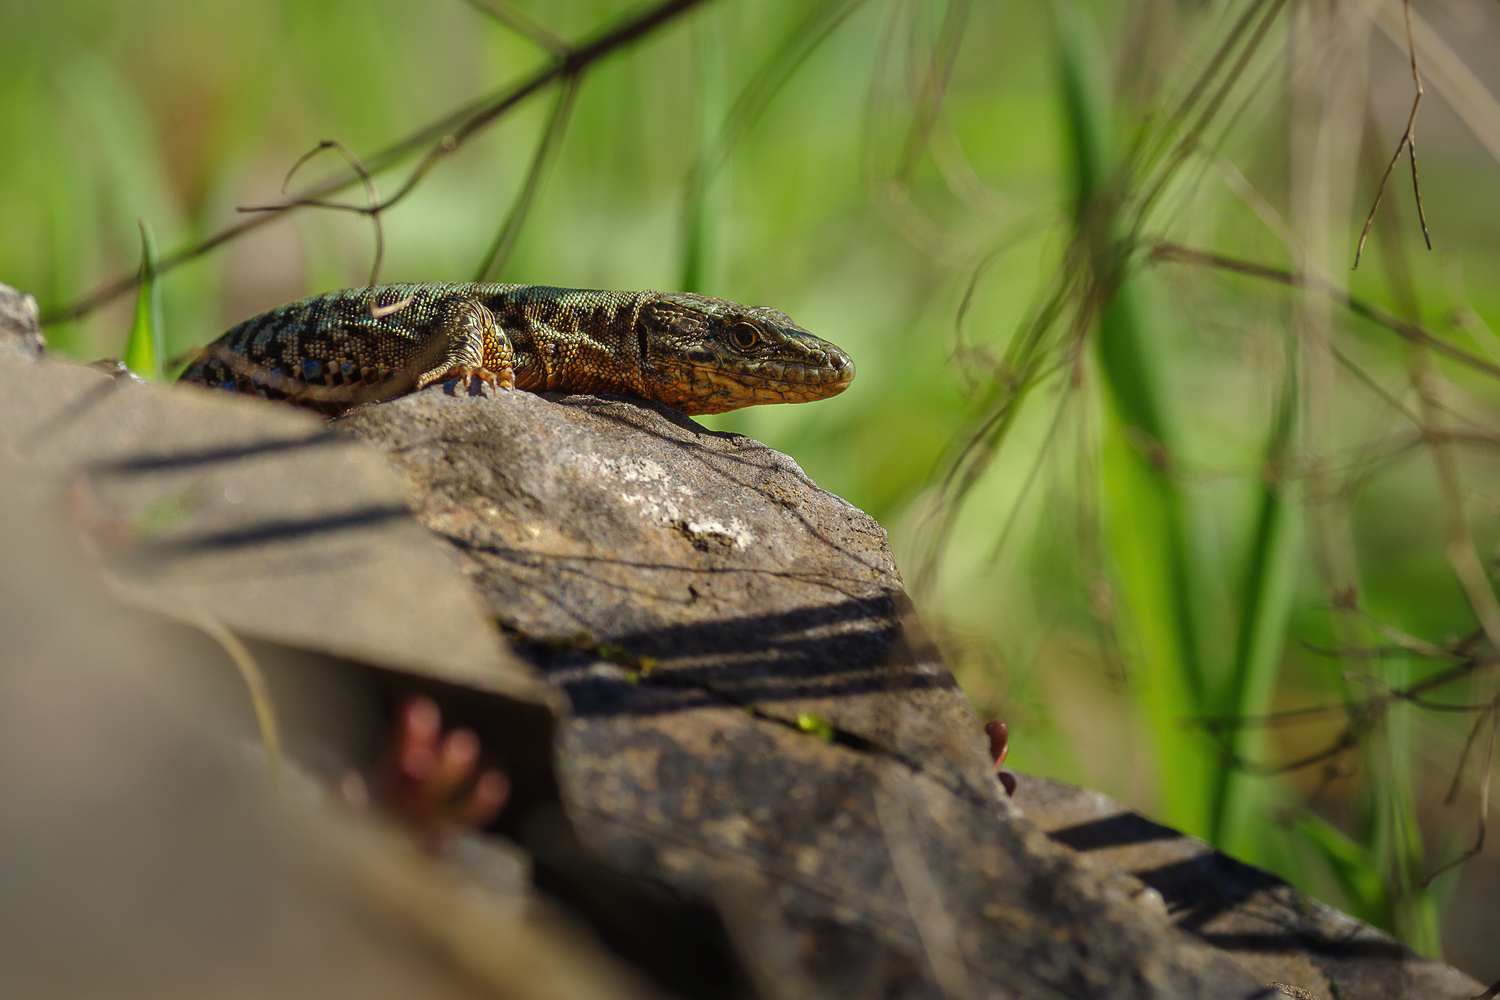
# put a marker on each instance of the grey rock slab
(756, 719)
(883, 881)
(20, 328)
(144, 853)
(260, 517)
(223, 511)
(655, 566)
(1274, 931)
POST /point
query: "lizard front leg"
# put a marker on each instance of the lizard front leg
(476, 348)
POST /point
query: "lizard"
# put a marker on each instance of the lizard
(692, 352)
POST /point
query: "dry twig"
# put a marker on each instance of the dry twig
(1484, 790)
(546, 148)
(1414, 332)
(440, 138)
(523, 24)
(1409, 143)
(373, 208)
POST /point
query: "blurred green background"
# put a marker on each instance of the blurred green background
(1126, 494)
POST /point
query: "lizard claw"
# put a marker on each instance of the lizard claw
(505, 378)
(465, 375)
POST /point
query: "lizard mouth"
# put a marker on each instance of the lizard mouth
(725, 387)
(788, 373)
(702, 380)
(827, 368)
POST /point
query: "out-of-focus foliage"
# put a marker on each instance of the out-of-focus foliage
(1128, 493)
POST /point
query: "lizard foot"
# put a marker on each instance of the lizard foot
(434, 781)
(465, 375)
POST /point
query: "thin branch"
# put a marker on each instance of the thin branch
(523, 24)
(1348, 740)
(1438, 706)
(444, 136)
(1192, 139)
(1463, 757)
(1462, 556)
(762, 88)
(1413, 332)
(1200, 86)
(1361, 715)
(1411, 643)
(1246, 192)
(1022, 369)
(1369, 382)
(373, 210)
(244, 662)
(1484, 796)
(958, 173)
(889, 195)
(934, 86)
(1031, 476)
(1360, 652)
(1223, 723)
(1446, 677)
(1409, 143)
(510, 231)
(1401, 694)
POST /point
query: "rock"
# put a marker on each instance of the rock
(20, 328)
(206, 507)
(145, 854)
(1277, 933)
(620, 541)
(757, 723)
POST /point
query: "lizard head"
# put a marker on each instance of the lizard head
(706, 355)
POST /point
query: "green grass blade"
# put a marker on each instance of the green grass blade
(1352, 866)
(1147, 531)
(1269, 582)
(1085, 108)
(779, 67)
(147, 343)
(1145, 517)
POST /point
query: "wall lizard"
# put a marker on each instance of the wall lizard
(696, 353)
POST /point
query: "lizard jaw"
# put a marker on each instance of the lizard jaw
(717, 389)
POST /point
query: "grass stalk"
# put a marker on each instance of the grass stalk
(1147, 525)
(1268, 584)
(147, 344)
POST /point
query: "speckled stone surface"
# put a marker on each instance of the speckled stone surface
(143, 850)
(1265, 925)
(757, 721)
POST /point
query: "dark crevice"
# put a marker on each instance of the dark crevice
(558, 660)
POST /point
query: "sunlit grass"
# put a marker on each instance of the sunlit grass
(144, 349)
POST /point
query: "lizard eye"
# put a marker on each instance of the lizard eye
(744, 336)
